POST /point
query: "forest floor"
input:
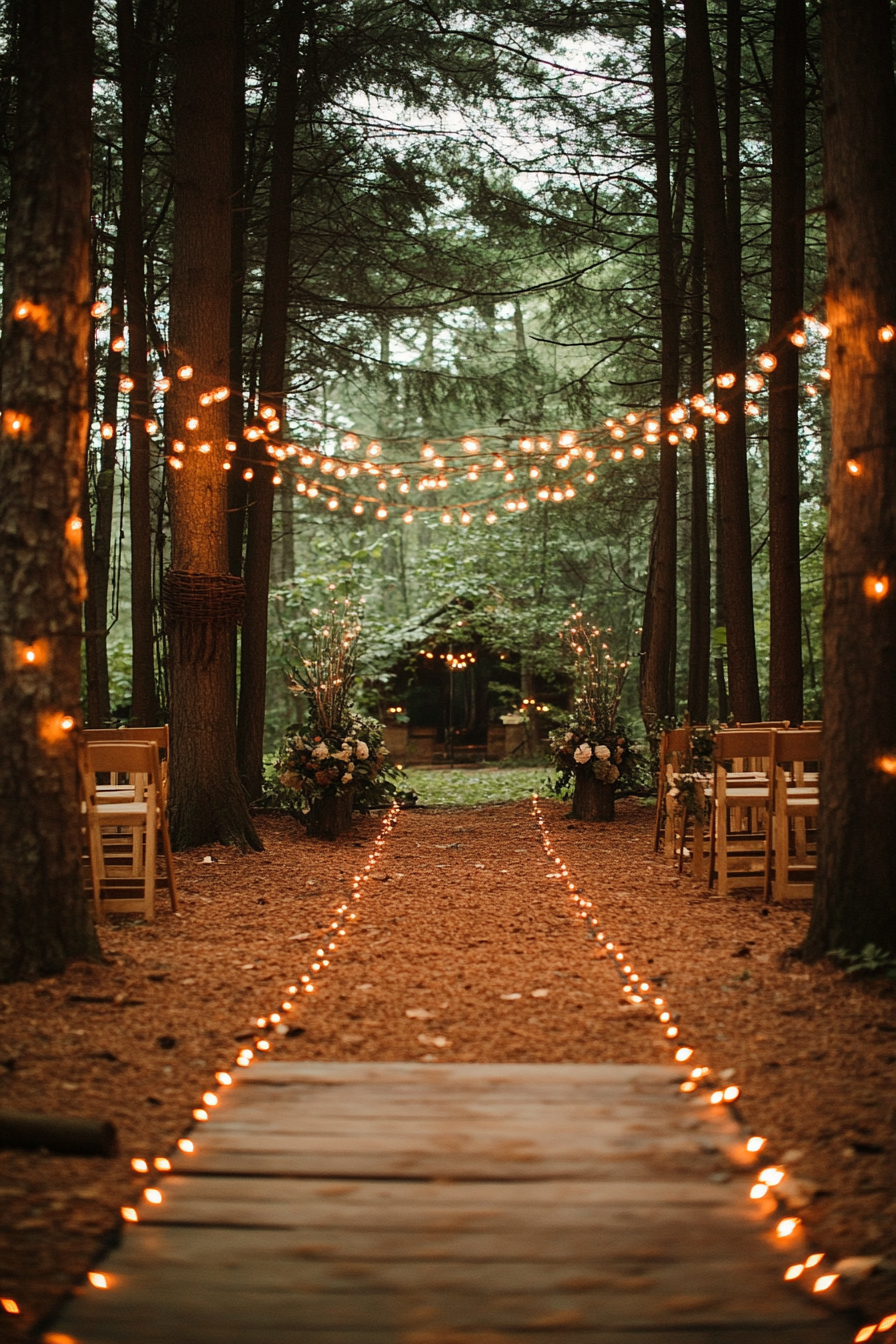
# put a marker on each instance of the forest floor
(465, 951)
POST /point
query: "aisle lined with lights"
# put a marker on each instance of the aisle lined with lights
(453, 1181)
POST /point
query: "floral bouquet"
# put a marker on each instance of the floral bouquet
(318, 766)
(592, 747)
(336, 762)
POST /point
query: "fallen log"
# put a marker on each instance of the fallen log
(71, 1135)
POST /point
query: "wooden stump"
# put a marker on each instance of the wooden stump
(593, 800)
(331, 816)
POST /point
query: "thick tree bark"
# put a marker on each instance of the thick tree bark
(133, 46)
(44, 919)
(657, 674)
(237, 488)
(202, 599)
(729, 356)
(785, 692)
(99, 710)
(700, 622)
(274, 313)
(855, 887)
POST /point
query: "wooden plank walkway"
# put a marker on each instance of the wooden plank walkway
(453, 1204)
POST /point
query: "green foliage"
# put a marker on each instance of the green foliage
(474, 788)
(872, 960)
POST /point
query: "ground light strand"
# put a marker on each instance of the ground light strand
(272, 1025)
(638, 989)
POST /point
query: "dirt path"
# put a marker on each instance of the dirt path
(461, 911)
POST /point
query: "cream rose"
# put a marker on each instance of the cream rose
(362, 751)
(582, 753)
(602, 753)
(320, 752)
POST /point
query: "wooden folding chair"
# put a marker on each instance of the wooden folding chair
(739, 806)
(674, 747)
(158, 735)
(793, 802)
(121, 831)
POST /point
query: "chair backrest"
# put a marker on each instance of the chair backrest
(157, 735)
(736, 743)
(121, 758)
(797, 744)
(676, 739)
(811, 723)
(765, 723)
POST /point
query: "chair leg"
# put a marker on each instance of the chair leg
(97, 869)
(169, 859)
(149, 876)
(782, 851)
(697, 851)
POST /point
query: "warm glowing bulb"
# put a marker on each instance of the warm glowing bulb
(678, 414)
(754, 382)
(767, 361)
(797, 338)
(161, 1164)
(684, 1053)
(205, 448)
(825, 1281)
(126, 384)
(726, 379)
(759, 1190)
(185, 372)
(210, 1098)
(876, 586)
(787, 1226)
(66, 723)
(205, 399)
(248, 474)
(755, 1144)
(638, 451)
(152, 1196)
(192, 422)
(886, 334)
(139, 1164)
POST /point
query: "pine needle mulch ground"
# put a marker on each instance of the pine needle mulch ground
(465, 950)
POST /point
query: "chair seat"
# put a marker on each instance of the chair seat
(119, 814)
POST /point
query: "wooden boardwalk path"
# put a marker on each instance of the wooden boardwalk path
(453, 1204)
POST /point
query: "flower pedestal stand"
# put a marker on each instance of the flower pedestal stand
(593, 800)
(331, 816)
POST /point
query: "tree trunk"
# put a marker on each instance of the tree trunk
(785, 674)
(592, 800)
(236, 487)
(729, 356)
(274, 313)
(132, 46)
(203, 601)
(96, 652)
(855, 887)
(44, 919)
(700, 622)
(658, 627)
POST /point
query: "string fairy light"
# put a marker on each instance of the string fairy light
(769, 1178)
(273, 1025)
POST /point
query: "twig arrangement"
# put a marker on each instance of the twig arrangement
(326, 676)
